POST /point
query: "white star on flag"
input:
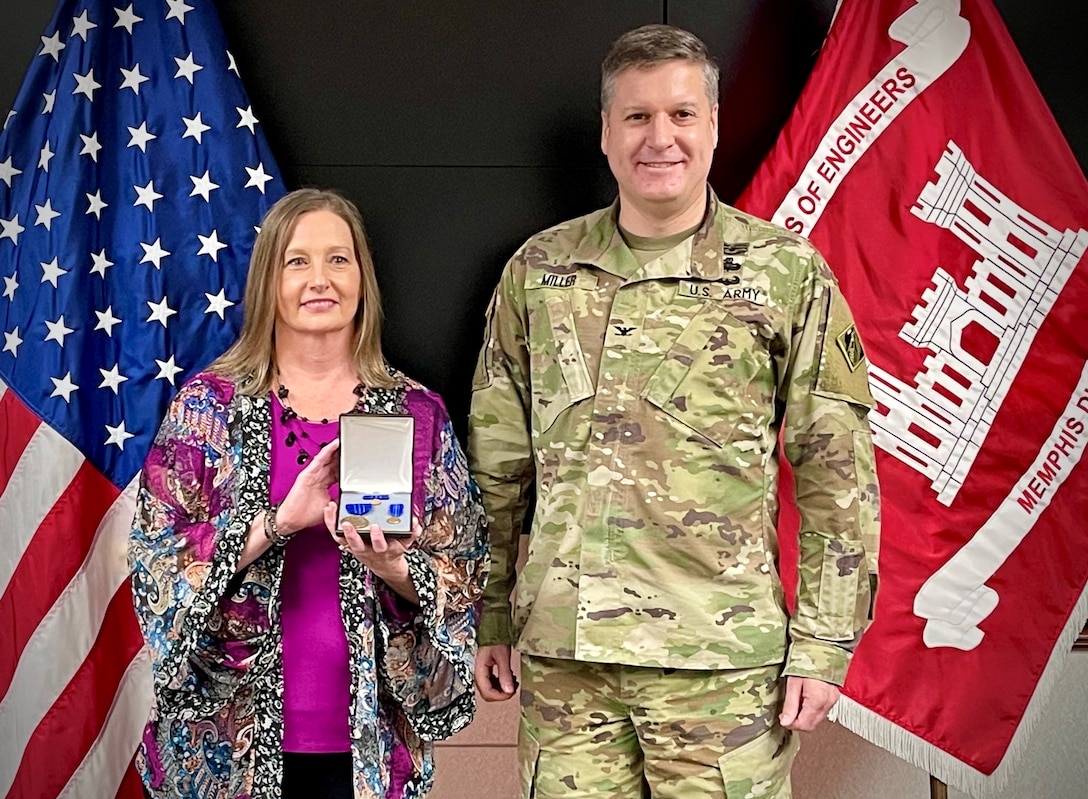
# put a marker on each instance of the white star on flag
(140, 137)
(246, 118)
(153, 253)
(230, 63)
(86, 84)
(46, 214)
(187, 67)
(101, 263)
(12, 342)
(133, 78)
(51, 271)
(257, 177)
(81, 25)
(126, 18)
(112, 378)
(96, 204)
(106, 320)
(58, 330)
(117, 435)
(194, 128)
(63, 387)
(11, 229)
(90, 146)
(178, 10)
(203, 186)
(7, 171)
(210, 245)
(167, 370)
(146, 195)
(160, 311)
(45, 156)
(50, 100)
(11, 283)
(217, 303)
(52, 45)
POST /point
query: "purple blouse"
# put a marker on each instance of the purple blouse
(316, 680)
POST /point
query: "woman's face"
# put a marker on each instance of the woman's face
(320, 278)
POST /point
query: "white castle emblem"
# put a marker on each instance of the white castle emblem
(979, 336)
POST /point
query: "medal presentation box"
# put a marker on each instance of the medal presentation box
(376, 472)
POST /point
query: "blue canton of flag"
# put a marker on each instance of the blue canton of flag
(133, 173)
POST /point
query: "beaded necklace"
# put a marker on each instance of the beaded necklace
(296, 432)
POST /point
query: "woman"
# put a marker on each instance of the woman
(281, 646)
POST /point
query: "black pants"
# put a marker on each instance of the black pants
(317, 776)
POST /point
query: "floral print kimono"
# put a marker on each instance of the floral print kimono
(216, 726)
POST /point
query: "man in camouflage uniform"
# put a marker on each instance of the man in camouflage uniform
(638, 366)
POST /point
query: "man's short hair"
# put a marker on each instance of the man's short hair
(650, 46)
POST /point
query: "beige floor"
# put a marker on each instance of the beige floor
(481, 761)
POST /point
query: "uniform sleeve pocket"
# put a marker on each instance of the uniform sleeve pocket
(761, 767)
(485, 364)
(841, 566)
(868, 496)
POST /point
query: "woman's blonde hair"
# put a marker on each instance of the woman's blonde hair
(252, 358)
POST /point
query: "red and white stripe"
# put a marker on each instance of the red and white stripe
(75, 680)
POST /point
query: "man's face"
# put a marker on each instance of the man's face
(659, 135)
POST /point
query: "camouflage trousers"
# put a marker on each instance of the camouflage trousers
(626, 732)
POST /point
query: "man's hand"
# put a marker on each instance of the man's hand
(808, 701)
(494, 679)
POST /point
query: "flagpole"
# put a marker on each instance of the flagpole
(937, 789)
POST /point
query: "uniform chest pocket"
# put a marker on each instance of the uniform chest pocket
(559, 375)
(715, 376)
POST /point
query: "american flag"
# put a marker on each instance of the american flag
(133, 172)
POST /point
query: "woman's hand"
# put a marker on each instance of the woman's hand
(305, 503)
(384, 556)
(302, 507)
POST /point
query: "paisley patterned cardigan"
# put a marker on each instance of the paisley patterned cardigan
(215, 636)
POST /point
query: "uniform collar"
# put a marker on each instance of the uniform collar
(603, 247)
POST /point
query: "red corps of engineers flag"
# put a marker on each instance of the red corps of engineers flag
(132, 173)
(923, 163)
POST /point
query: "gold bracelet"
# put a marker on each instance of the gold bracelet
(271, 532)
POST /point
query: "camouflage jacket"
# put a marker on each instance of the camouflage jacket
(645, 413)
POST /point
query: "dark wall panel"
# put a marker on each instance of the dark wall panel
(21, 27)
(471, 83)
(1050, 36)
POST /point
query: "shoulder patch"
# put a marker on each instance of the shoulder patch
(842, 371)
(850, 343)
